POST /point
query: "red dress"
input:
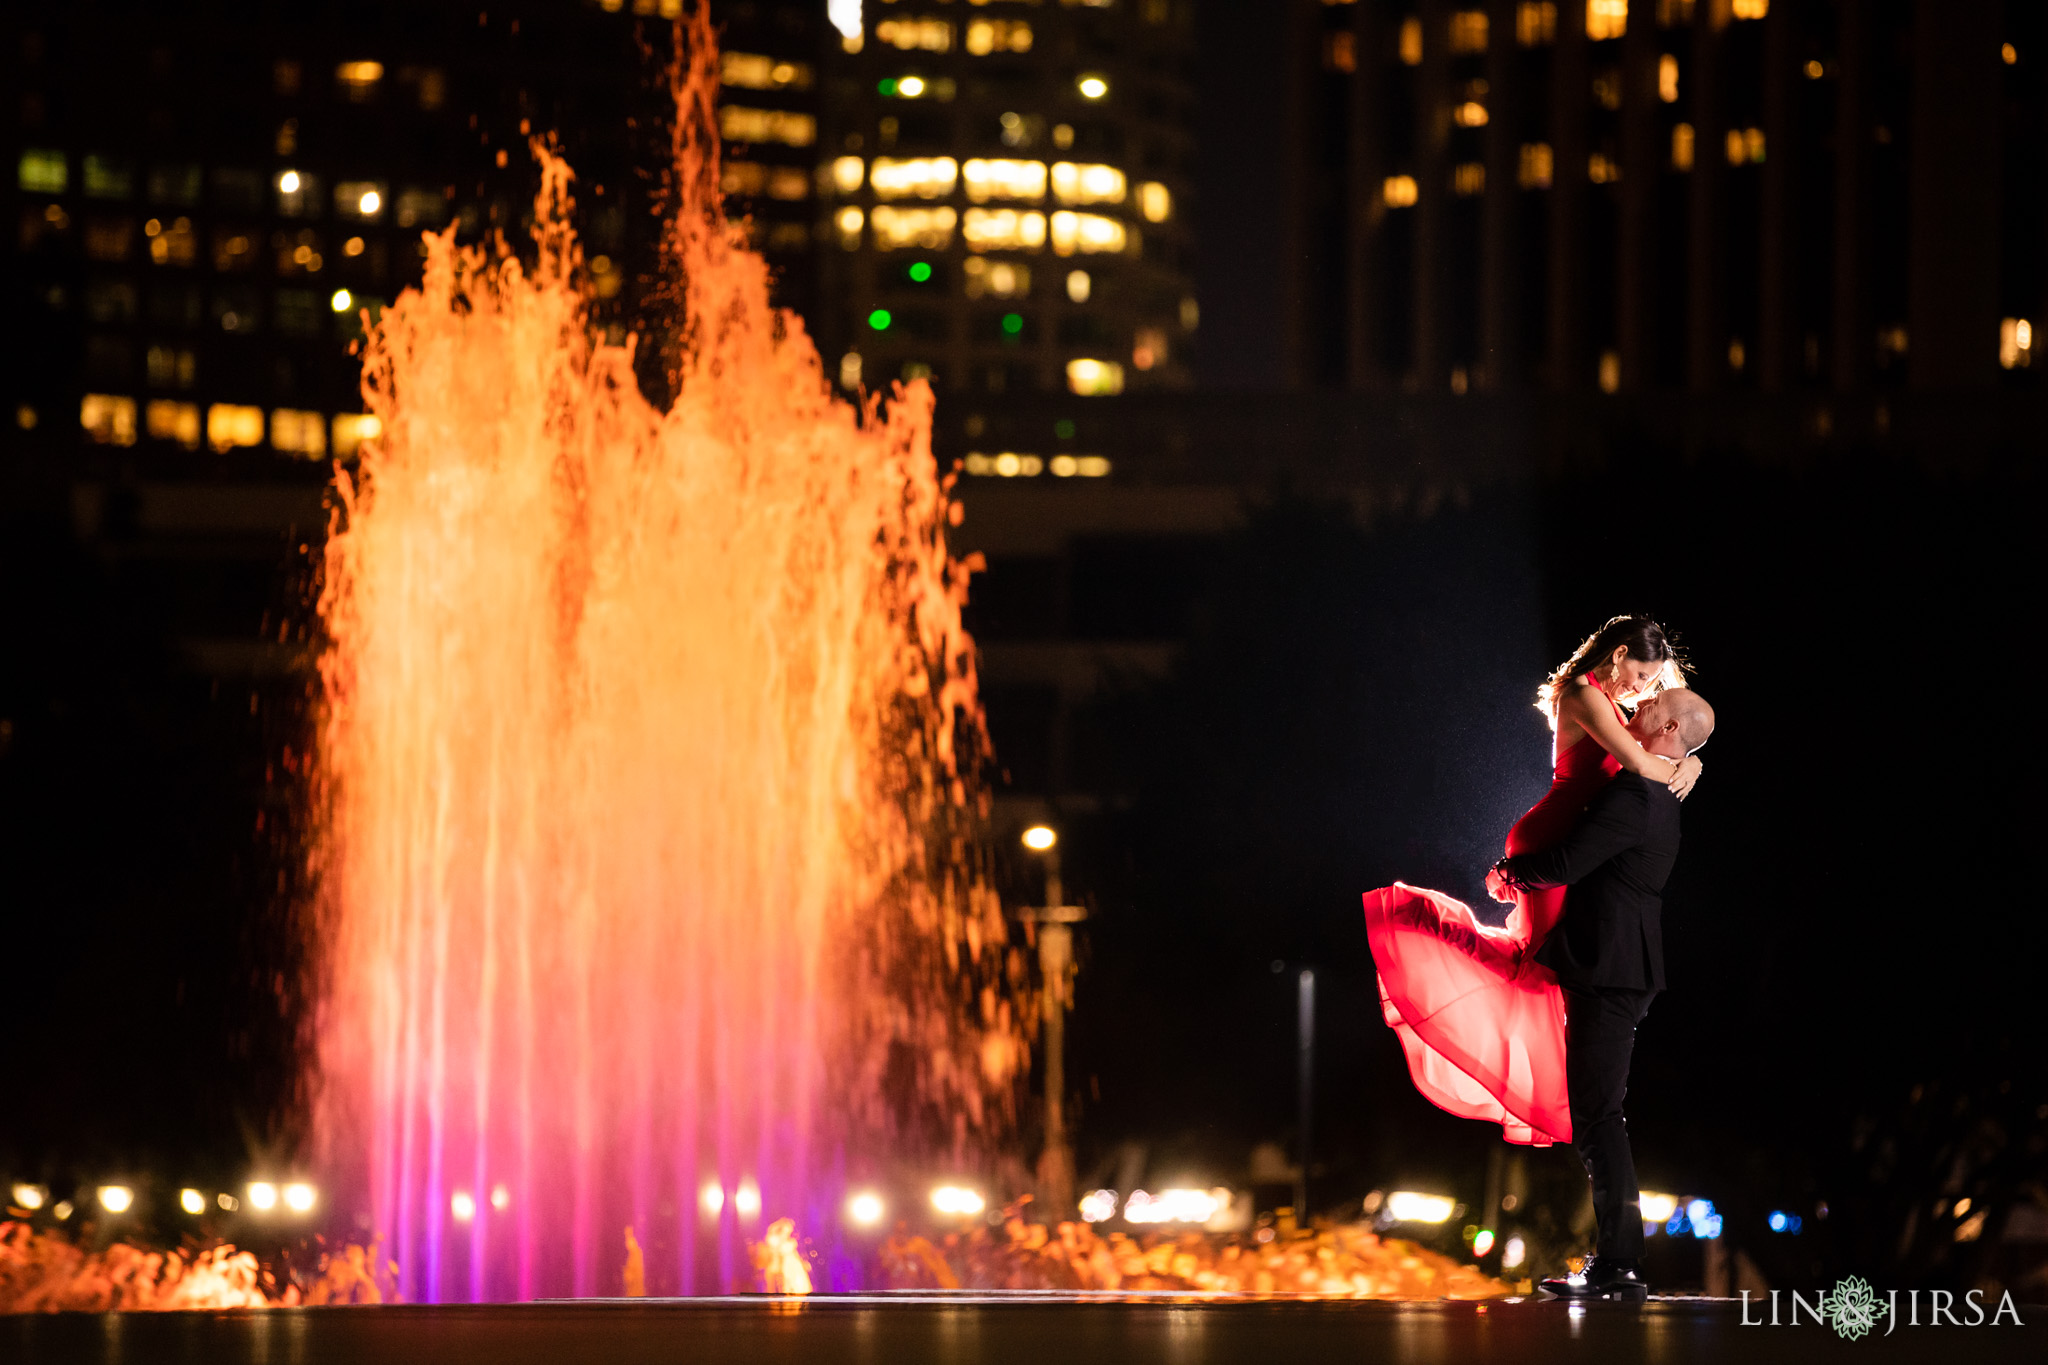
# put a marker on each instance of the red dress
(1481, 1021)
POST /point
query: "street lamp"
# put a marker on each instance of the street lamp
(1055, 921)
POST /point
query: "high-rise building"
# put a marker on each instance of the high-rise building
(1635, 196)
(1006, 200)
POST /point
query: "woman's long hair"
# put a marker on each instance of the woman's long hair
(1646, 641)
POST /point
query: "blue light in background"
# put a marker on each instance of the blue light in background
(1778, 1220)
(1706, 1224)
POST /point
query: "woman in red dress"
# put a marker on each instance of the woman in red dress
(1480, 1020)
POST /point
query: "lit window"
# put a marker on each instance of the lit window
(1814, 70)
(108, 419)
(172, 244)
(1469, 114)
(1148, 347)
(1079, 286)
(915, 88)
(1087, 184)
(1340, 51)
(351, 429)
(1667, 78)
(231, 424)
(924, 177)
(1008, 465)
(2007, 51)
(1745, 146)
(847, 173)
(1610, 371)
(1681, 147)
(362, 199)
(1155, 201)
(1536, 24)
(167, 420)
(358, 80)
(1606, 19)
(42, 171)
(1086, 467)
(995, 279)
(758, 71)
(1090, 377)
(848, 221)
(1003, 230)
(1602, 169)
(233, 250)
(298, 433)
(1088, 233)
(849, 370)
(298, 194)
(742, 177)
(1468, 31)
(894, 229)
(916, 35)
(1750, 9)
(1533, 172)
(2015, 343)
(1411, 42)
(1001, 178)
(985, 36)
(1398, 191)
(1674, 13)
(107, 178)
(1607, 88)
(738, 123)
(1468, 178)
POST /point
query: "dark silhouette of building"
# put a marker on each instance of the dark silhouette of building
(1706, 196)
(1009, 191)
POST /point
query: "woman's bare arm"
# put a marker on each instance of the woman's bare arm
(1589, 707)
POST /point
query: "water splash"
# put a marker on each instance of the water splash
(646, 775)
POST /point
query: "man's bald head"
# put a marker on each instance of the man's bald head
(1673, 723)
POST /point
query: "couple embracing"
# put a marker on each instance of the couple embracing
(1531, 1025)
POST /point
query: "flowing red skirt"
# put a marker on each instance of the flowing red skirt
(1481, 1022)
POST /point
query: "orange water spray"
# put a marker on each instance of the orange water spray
(647, 760)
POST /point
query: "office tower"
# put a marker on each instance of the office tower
(1699, 195)
(1006, 197)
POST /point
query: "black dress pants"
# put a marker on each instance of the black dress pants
(1600, 1035)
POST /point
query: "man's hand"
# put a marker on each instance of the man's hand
(1497, 886)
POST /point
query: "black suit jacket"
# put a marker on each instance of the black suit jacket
(1616, 863)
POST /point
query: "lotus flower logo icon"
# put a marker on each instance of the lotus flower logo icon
(1853, 1308)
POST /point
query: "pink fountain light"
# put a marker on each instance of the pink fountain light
(649, 894)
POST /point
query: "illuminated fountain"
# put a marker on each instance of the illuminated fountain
(646, 780)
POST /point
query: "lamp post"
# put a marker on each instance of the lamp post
(1305, 1076)
(1054, 922)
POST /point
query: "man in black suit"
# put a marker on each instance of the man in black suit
(1608, 953)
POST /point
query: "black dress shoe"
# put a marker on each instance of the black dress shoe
(1601, 1279)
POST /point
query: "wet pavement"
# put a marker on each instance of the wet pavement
(1024, 1329)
